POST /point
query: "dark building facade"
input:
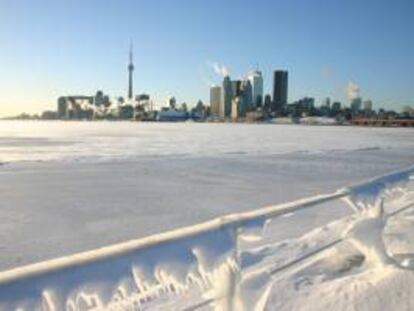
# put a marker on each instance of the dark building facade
(280, 90)
(227, 96)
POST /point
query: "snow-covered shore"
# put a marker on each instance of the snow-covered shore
(241, 261)
(71, 187)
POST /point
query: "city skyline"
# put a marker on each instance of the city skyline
(182, 52)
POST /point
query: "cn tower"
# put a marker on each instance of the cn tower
(130, 71)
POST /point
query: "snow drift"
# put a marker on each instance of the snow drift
(235, 262)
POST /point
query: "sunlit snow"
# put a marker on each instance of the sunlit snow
(68, 187)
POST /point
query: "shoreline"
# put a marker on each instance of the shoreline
(370, 123)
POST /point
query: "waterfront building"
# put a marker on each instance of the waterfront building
(356, 105)
(256, 80)
(247, 97)
(280, 90)
(237, 99)
(126, 112)
(235, 108)
(254, 116)
(236, 86)
(169, 114)
(215, 100)
(241, 106)
(368, 105)
(227, 95)
(302, 107)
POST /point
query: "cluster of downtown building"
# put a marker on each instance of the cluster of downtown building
(244, 99)
(234, 100)
(239, 100)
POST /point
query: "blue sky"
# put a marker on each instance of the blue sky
(52, 48)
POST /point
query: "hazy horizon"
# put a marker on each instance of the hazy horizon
(53, 48)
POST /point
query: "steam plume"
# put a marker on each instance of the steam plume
(220, 69)
(352, 90)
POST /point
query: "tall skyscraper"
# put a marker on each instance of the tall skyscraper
(356, 104)
(280, 90)
(215, 100)
(130, 72)
(256, 80)
(227, 96)
(247, 97)
(236, 87)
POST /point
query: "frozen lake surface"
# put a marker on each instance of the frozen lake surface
(94, 141)
(66, 187)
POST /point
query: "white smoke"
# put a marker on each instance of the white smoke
(221, 70)
(352, 90)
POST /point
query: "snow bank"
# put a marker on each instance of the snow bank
(366, 194)
(229, 263)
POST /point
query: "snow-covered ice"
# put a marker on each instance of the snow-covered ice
(68, 187)
(239, 262)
